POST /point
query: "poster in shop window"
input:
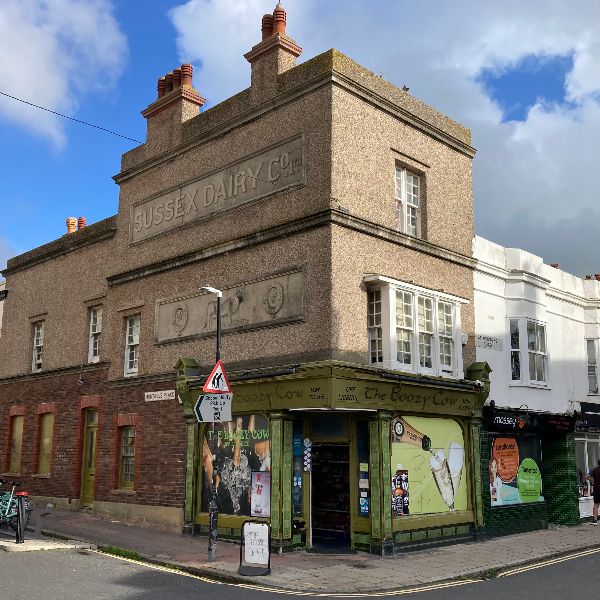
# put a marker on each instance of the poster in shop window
(242, 447)
(428, 459)
(514, 471)
(260, 502)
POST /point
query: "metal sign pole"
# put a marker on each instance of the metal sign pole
(213, 517)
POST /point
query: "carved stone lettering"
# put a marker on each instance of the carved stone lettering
(271, 171)
(270, 301)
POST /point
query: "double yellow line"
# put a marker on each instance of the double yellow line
(411, 590)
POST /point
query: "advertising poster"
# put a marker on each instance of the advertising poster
(260, 500)
(514, 471)
(428, 460)
(243, 446)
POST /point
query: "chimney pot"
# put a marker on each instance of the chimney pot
(161, 87)
(81, 222)
(555, 265)
(186, 74)
(267, 26)
(176, 78)
(168, 82)
(597, 276)
(588, 277)
(279, 19)
(71, 224)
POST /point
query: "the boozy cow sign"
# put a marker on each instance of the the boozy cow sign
(266, 173)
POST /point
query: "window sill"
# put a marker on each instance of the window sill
(10, 474)
(122, 492)
(41, 476)
(129, 375)
(594, 394)
(536, 386)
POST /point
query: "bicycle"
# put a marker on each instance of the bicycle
(9, 507)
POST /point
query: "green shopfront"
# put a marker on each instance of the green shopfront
(338, 456)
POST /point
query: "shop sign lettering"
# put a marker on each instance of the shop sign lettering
(267, 173)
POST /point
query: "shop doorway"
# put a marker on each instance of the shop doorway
(330, 496)
(88, 471)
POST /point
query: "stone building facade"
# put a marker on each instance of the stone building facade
(335, 212)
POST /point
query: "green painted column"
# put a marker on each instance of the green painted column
(375, 479)
(191, 460)
(286, 480)
(476, 484)
(277, 454)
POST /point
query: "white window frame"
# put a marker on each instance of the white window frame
(95, 334)
(592, 364)
(391, 292)
(408, 204)
(132, 345)
(525, 352)
(38, 346)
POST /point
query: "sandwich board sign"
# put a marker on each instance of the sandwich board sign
(213, 408)
(255, 550)
(217, 382)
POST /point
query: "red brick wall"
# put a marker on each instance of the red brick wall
(160, 436)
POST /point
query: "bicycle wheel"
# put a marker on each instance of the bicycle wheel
(12, 521)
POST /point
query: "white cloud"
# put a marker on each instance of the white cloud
(539, 173)
(51, 53)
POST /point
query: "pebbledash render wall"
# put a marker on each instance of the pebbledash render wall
(286, 188)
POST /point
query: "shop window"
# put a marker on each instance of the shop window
(588, 454)
(16, 444)
(46, 429)
(38, 346)
(413, 329)
(528, 347)
(515, 470)
(242, 453)
(592, 367)
(408, 202)
(95, 331)
(126, 457)
(132, 345)
(363, 478)
(427, 466)
(298, 468)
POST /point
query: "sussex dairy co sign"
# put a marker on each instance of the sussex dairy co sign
(271, 171)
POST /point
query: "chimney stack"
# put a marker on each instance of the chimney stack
(177, 98)
(81, 223)
(273, 55)
(588, 277)
(597, 276)
(555, 265)
(71, 224)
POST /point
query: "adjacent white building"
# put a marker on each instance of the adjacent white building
(538, 327)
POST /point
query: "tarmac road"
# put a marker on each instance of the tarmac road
(82, 574)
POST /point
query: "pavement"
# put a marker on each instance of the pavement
(310, 572)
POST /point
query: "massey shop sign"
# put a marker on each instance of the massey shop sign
(497, 420)
(269, 172)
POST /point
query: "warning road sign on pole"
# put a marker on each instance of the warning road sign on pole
(217, 382)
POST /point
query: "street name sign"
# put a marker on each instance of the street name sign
(213, 408)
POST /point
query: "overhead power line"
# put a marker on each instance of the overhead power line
(71, 118)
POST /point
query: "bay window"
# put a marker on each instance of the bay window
(413, 329)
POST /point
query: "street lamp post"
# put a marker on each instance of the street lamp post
(213, 511)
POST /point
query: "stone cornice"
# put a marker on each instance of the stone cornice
(275, 41)
(180, 93)
(98, 232)
(72, 370)
(321, 219)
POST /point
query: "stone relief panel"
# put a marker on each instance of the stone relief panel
(271, 171)
(270, 301)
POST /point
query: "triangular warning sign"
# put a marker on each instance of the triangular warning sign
(217, 381)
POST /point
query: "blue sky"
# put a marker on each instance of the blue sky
(525, 77)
